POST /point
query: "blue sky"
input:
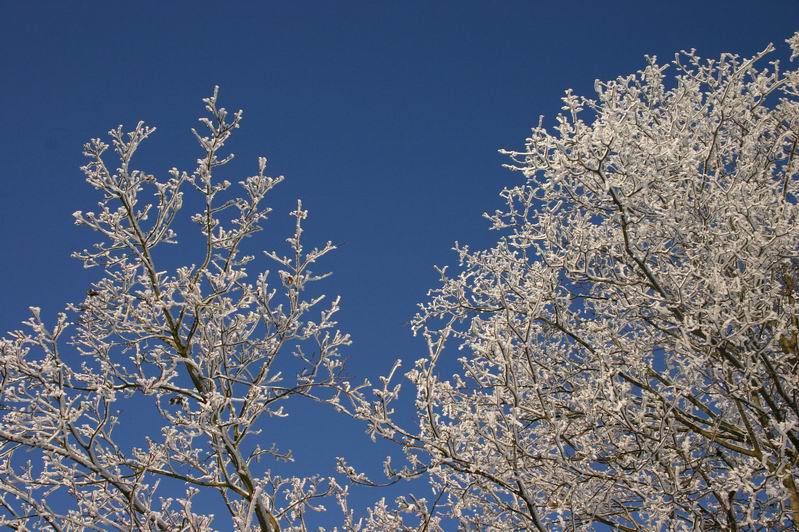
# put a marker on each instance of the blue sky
(385, 118)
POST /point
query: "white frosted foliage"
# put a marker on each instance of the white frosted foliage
(627, 350)
(214, 352)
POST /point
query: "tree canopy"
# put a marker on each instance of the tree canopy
(628, 348)
(625, 355)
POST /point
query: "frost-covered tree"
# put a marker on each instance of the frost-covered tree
(628, 348)
(206, 351)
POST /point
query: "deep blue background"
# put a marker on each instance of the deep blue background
(385, 117)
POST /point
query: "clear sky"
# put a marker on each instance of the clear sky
(385, 118)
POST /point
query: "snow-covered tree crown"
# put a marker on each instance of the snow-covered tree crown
(205, 352)
(629, 346)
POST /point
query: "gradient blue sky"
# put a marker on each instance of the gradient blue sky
(385, 118)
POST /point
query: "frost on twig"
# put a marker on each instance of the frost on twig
(205, 345)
